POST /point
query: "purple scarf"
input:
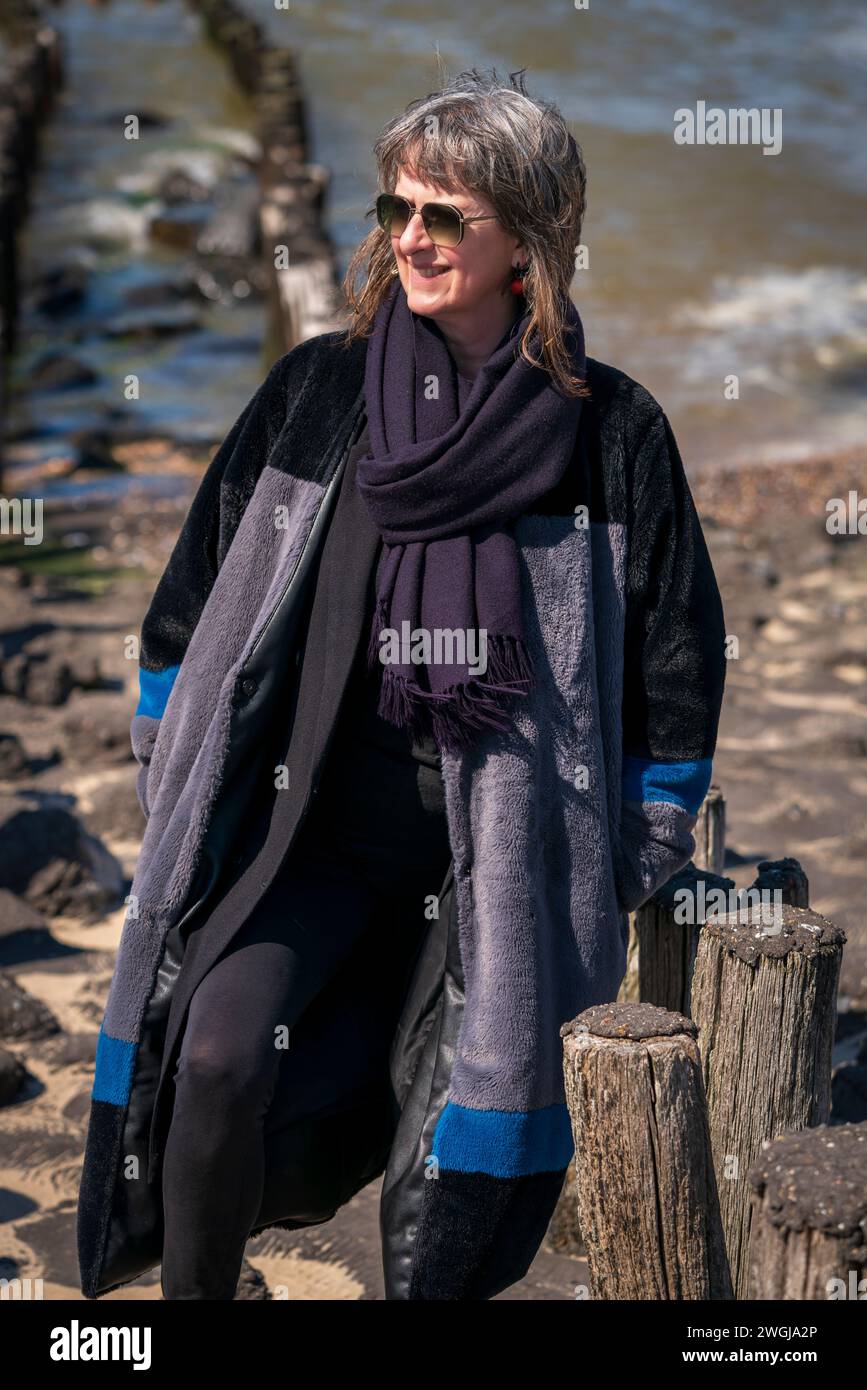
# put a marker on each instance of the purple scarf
(442, 485)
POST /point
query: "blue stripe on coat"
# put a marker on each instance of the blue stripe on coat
(155, 688)
(503, 1143)
(684, 784)
(114, 1064)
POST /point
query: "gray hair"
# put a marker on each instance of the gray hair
(491, 137)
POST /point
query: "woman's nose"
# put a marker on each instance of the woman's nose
(414, 237)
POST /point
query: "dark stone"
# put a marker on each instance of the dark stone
(153, 322)
(22, 1016)
(177, 187)
(13, 675)
(12, 1076)
(98, 735)
(57, 371)
(61, 291)
(179, 226)
(75, 1049)
(251, 1285)
(158, 292)
(47, 857)
(17, 915)
(849, 1093)
(49, 682)
(93, 450)
(116, 809)
(13, 760)
(59, 649)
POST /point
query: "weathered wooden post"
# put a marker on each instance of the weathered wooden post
(710, 832)
(764, 999)
(644, 1180)
(667, 930)
(809, 1224)
(786, 877)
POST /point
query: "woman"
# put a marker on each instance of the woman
(430, 692)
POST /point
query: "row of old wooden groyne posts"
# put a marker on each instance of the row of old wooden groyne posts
(705, 1165)
(303, 297)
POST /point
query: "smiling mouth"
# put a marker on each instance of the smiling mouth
(429, 272)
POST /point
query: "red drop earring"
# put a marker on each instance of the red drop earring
(517, 285)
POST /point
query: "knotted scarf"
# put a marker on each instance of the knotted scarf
(443, 483)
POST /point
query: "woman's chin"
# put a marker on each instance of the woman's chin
(423, 301)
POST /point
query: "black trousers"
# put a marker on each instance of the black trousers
(235, 1100)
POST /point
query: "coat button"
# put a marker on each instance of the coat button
(249, 686)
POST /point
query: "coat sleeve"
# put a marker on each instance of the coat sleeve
(201, 546)
(674, 669)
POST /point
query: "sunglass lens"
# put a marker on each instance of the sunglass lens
(442, 224)
(392, 213)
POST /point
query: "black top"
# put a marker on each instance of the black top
(380, 787)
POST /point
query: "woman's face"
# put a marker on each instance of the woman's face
(459, 284)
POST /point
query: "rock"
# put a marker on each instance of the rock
(61, 291)
(99, 735)
(58, 371)
(179, 226)
(11, 577)
(13, 760)
(75, 1049)
(178, 187)
(159, 292)
(17, 915)
(22, 1016)
(48, 682)
(13, 675)
(54, 663)
(48, 858)
(764, 569)
(93, 450)
(12, 1076)
(251, 1285)
(116, 811)
(849, 1093)
(159, 321)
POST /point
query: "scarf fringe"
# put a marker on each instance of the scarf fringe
(380, 621)
(453, 716)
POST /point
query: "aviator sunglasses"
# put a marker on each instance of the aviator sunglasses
(443, 223)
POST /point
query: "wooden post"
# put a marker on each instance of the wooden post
(303, 299)
(710, 832)
(666, 933)
(809, 1226)
(644, 1180)
(764, 998)
(564, 1229)
(786, 877)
